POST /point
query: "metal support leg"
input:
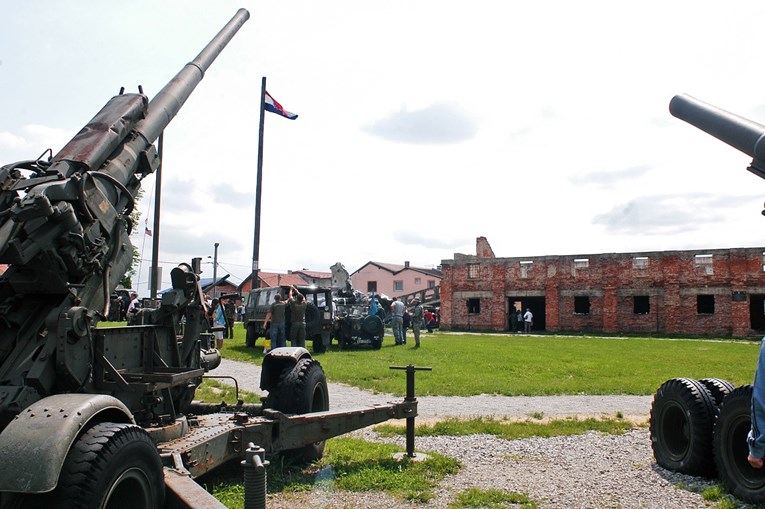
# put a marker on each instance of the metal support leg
(255, 479)
(410, 425)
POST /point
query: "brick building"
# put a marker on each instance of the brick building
(717, 292)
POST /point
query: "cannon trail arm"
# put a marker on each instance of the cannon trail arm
(738, 132)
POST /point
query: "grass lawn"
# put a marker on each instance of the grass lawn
(469, 364)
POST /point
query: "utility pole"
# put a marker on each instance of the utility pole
(215, 270)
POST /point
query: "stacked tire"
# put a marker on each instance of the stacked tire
(699, 427)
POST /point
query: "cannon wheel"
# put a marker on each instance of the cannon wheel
(718, 388)
(110, 466)
(731, 450)
(301, 389)
(682, 419)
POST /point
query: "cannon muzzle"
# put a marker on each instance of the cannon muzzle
(738, 132)
(166, 104)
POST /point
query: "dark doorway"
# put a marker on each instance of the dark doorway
(535, 304)
(757, 312)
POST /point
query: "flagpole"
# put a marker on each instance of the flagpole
(155, 232)
(256, 240)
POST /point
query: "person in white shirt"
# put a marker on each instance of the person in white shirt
(528, 320)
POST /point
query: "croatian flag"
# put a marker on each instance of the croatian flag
(275, 107)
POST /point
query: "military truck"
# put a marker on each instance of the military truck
(105, 417)
(318, 314)
(699, 427)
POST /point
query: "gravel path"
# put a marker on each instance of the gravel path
(585, 471)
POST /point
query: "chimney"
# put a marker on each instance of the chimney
(406, 265)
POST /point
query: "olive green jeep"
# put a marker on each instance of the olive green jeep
(318, 314)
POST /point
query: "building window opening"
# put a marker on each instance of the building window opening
(398, 286)
(474, 271)
(642, 304)
(431, 283)
(705, 304)
(582, 305)
(474, 306)
(371, 286)
(704, 262)
(581, 263)
(640, 262)
(763, 262)
(526, 268)
(418, 280)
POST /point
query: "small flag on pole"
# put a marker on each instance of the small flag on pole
(147, 231)
(274, 107)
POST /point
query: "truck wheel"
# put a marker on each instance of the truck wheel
(301, 389)
(682, 418)
(718, 388)
(112, 466)
(318, 344)
(372, 325)
(252, 335)
(312, 317)
(377, 343)
(731, 450)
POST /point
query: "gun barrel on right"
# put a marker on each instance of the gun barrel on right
(740, 133)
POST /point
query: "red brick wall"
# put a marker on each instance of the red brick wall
(672, 281)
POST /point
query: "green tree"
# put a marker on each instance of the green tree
(135, 218)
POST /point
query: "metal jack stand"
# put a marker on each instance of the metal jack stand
(255, 488)
(410, 369)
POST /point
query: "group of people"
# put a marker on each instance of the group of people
(522, 321)
(276, 316)
(402, 320)
(222, 313)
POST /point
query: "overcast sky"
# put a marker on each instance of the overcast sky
(543, 126)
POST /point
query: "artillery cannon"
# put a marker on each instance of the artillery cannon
(738, 132)
(102, 418)
(699, 427)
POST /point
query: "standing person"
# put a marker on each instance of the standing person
(756, 438)
(230, 312)
(276, 316)
(417, 314)
(518, 320)
(528, 320)
(430, 320)
(397, 312)
(218, 320)
(297, 317)
(132, 309)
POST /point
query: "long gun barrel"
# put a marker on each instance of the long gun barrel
(169, 100)
(738, 132)
(64, 232)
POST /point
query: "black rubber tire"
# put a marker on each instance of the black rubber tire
(312, 317)
(682, 420)
(718, 388)
(111, 466)
(301, 389)
(251, 336)
(377, 343)
(731, 450)
(318, 344)
(372, 326)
